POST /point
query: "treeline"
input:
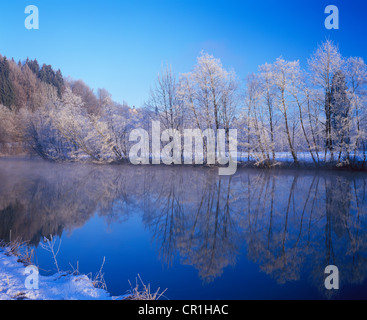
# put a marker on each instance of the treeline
(27, 85)
(315, 114)
(30, 96)
(320, 110)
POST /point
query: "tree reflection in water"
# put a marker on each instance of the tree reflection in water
(285, 221)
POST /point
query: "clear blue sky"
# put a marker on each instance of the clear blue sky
(120, 45)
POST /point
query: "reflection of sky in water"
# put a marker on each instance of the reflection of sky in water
(256, 235)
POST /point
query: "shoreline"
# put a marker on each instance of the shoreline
(280, 164)
(60, 286)
(20, 280)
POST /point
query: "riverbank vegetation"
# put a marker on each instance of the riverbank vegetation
(314, 114)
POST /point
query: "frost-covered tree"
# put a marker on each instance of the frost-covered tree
(258, 141)
(90, 101)
(323, 64)
(268, 89)
(118, 121)
(356, 75)
(211, 93)
(340, 115)
(286, 74)
(210, 96)
(164, 101)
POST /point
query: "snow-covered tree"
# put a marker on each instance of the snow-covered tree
(286, 77)
(340, 115)
(323, 64)
(356, 76)
(211, 93)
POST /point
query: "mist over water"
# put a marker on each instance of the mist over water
(257, 234)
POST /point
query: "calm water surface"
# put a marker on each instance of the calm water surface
(256, 235)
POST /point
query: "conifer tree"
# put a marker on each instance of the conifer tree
(7, 96)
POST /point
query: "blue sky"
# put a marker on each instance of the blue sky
(121, 45)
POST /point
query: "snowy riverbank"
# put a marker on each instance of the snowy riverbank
(62, 286)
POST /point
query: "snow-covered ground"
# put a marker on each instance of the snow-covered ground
(57, 287)
(302, 156)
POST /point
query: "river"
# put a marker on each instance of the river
(260, 234)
